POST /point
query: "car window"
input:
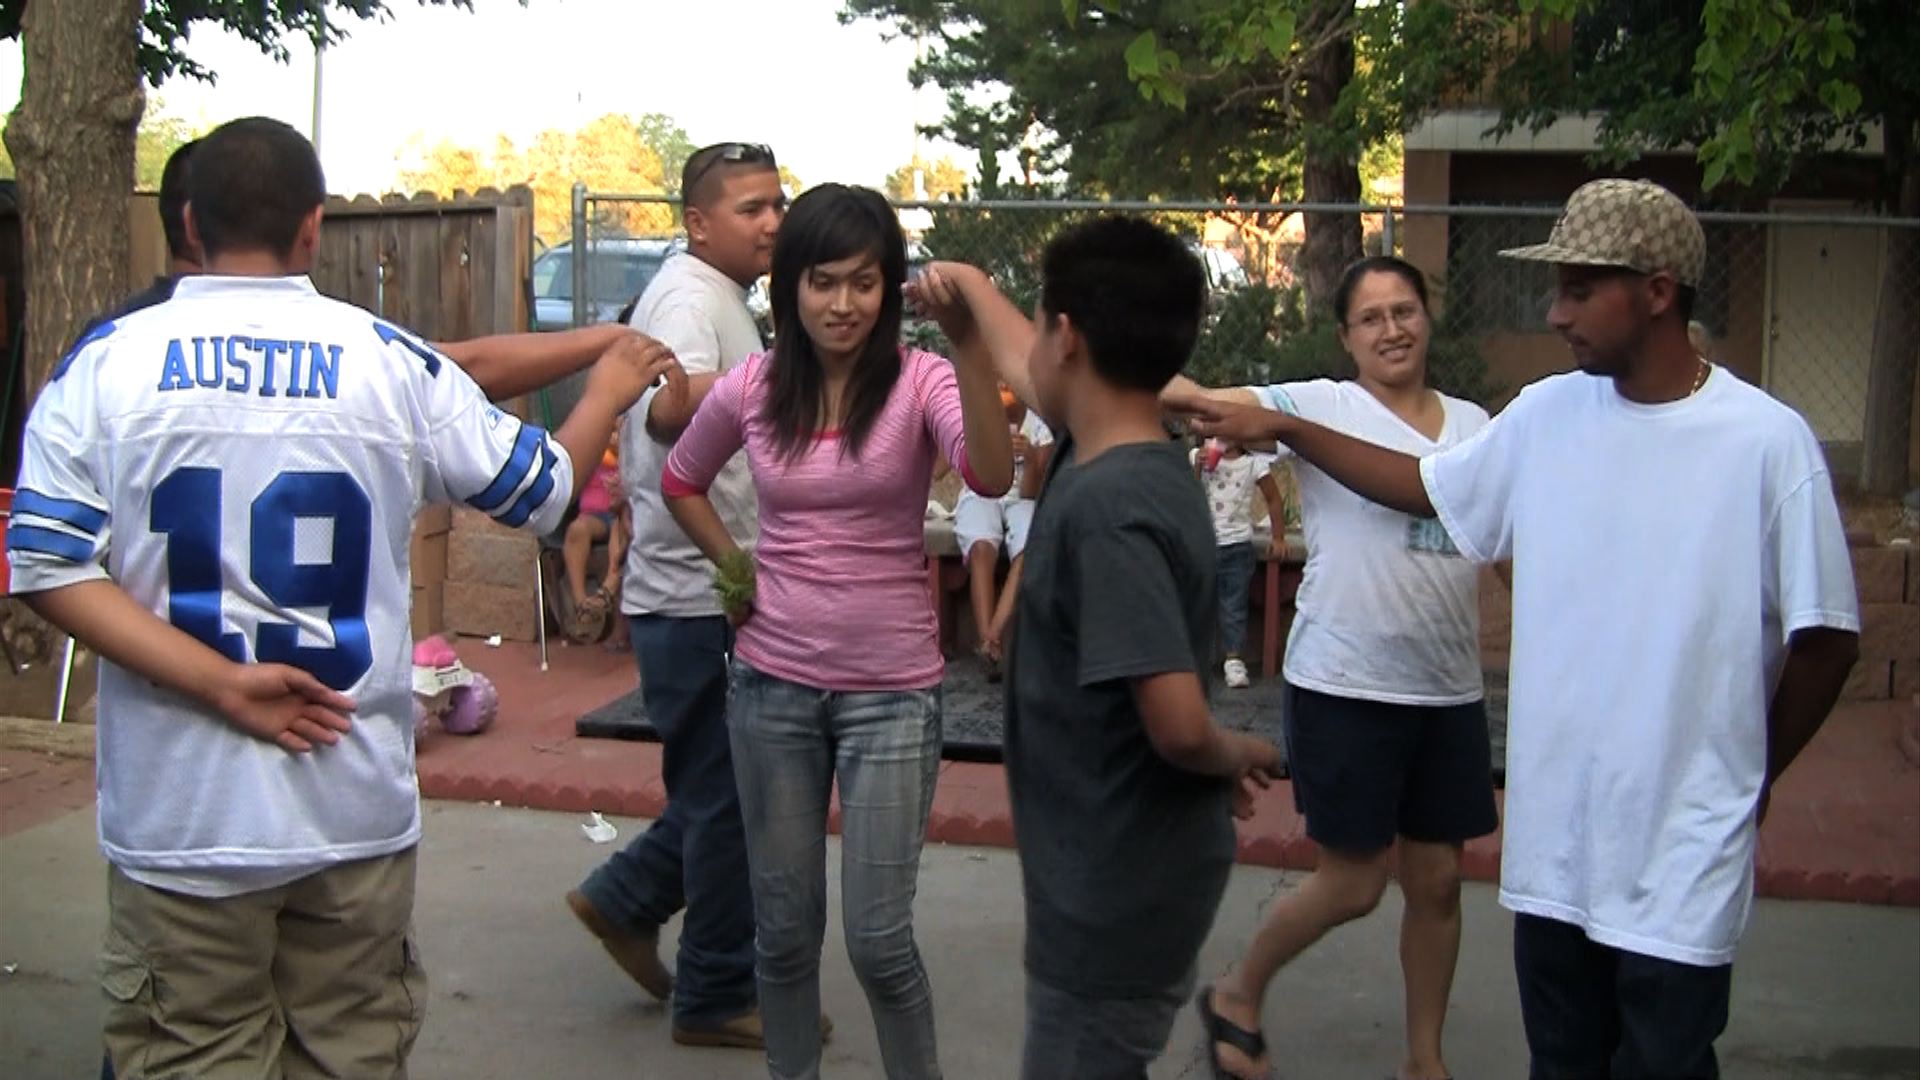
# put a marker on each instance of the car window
(553, 276)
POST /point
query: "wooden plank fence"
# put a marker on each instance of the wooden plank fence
(446, 269)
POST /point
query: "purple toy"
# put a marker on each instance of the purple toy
(471, 708)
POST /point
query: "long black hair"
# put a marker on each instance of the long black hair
(826, 224)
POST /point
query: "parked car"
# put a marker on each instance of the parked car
(617, 271)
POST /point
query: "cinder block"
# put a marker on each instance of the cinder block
(437, 518)
(1880, 575)
(1889, 632)
(428, 557)
(429, 609)
(492, 557)
(1870, 680)
(485, 610)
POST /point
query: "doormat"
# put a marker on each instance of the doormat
(973, 715)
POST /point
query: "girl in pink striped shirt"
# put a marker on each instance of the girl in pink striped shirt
(837, 668)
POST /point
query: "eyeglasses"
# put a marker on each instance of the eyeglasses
(1375, 320)
(732, 153)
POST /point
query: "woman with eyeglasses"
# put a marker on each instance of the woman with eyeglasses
(837, 667)
(1386, 727)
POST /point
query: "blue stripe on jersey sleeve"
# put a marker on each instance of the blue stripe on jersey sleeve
(1278, 400)
(514, 472)
(94, 333)
(536, 494)
(390, 334)
(49, 542)
(65, 511)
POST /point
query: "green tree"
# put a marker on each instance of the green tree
(1251, 100)
(156, 140)
(942, 179)
(73, 141)
(669, 142)
(1763, 90)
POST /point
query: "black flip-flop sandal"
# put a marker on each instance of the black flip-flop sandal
(1219, 1029)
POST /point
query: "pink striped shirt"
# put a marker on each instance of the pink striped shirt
(842, 591)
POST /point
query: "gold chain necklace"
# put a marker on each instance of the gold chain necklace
(1699, 381)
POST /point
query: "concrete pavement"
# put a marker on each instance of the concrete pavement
(519, 991)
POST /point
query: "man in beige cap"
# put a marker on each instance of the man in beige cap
(1683, 618)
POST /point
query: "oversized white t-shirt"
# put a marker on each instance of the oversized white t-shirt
(1387, 608)
(1662, 554)
(245, 461)
(701, 314)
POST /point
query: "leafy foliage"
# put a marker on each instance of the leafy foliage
(608, 154)
(1758, 86)
(942, 179)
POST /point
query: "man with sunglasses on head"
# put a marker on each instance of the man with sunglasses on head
(695, 855)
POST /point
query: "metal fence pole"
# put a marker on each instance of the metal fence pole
(580, 254)
(1386, 230)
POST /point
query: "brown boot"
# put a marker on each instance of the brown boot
(637, 954)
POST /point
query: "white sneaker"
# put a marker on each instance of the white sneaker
(1236, 669)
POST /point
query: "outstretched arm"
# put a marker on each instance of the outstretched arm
(1386, 476)
(508, 365)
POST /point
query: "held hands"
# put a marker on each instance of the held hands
(935, 294)
(1249, 425)
(632, 364)
(282, 705)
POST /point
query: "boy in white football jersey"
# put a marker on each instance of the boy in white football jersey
(216, 495)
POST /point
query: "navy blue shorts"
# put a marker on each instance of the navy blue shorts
(1365, 771)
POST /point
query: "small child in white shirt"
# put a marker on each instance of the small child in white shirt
(1229, 475)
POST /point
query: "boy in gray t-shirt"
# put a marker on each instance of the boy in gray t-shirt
(1122, 783)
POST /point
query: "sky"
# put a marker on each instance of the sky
(833, 101)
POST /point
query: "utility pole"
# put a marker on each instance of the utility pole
(319, 48)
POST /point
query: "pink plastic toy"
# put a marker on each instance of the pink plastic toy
(471, 708)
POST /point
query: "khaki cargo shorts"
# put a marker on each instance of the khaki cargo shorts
(319, 977)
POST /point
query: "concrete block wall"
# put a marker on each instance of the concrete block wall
(489, 578)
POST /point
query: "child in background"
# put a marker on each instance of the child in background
(1229, 475)
(602, 516)
(980, 523)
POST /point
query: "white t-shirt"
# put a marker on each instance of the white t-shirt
(1662, 554)
(245, 461)
(1038, 435)
(1387, 609)
(1229, 490)
(701, 314)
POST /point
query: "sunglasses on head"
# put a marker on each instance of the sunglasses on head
(731, 153)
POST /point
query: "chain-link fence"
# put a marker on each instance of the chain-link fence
(1789, 301)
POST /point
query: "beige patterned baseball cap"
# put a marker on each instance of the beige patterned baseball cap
(1636, 224)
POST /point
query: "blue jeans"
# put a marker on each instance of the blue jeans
(1235, 574)
(695, 855)
(1592, 1011)
(789, 742)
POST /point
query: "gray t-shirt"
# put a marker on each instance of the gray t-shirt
(1123, 856)
(701, 314)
